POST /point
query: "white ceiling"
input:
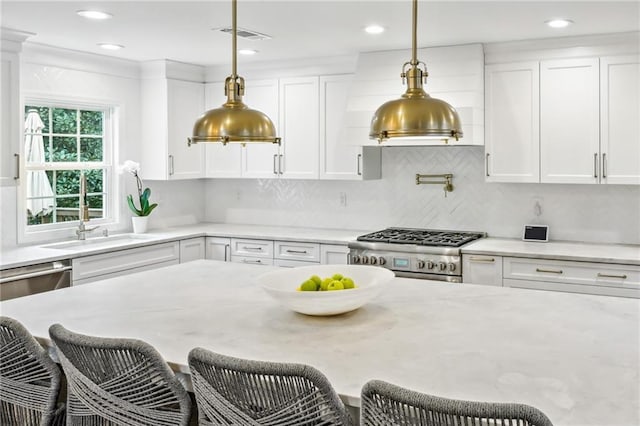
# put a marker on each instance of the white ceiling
(181, 30)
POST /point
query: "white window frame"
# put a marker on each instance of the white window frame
(28, 234)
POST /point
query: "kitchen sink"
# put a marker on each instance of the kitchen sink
(99, 242)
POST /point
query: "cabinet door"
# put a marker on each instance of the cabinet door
(334, 254)
(569, 121)
(512, 137)
(338, 158)
(620, 123)
(481, 269)
(260, 160)
(192, 249)
(220, 160)
(185, 105)
(10, 134)
(299, 118)
(218, 248)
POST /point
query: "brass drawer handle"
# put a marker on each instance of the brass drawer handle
(623, 276)
(550, 271)
(482, 259)
(297, 251)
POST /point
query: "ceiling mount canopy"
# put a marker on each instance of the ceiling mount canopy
(234, 121)
(415, 114)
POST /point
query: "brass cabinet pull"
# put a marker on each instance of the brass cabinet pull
(595, 165)
(274, 164)
(482, 259)
(297, 251)
(358, 161)
(17, 157)
(486, 161)
(622, 276)
(550, 271)
(604, 165)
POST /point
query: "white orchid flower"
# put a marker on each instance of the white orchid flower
(130, 167)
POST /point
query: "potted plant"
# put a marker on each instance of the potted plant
(141, 214)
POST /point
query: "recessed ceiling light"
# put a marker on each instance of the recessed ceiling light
(559, 23)
(374, 29)
(247, 51)
(94, 14)
(110, 46)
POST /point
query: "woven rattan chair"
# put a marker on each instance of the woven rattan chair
(29, 379)
(233, 391)
(118, 381)
(386, 404)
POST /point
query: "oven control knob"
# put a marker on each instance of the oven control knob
(452, 267)
(365, 260)
(420, 264)
(430, 265)
(355, 258)
(373, 260)
(382, 260)
(442, 266)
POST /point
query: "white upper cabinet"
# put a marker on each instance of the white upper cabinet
(512, 122)
(569, 121)
(172, 100)
(10, 117)
(299, 120)
(620, 114)
(340, 159)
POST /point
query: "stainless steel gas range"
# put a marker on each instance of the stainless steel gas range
(414, 253)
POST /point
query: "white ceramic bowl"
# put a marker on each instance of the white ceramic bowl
(282, 286)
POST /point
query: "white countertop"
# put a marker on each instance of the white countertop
(576, 357)
(28, 255)
(557, 250)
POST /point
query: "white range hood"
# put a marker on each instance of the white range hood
(456, 75)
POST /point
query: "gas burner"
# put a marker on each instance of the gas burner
(424, 237)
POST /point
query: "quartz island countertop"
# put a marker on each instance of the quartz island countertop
(575, 357)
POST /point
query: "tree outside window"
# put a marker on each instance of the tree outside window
(73, 142)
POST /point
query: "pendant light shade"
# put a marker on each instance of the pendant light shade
(234, 121)
(415, 114)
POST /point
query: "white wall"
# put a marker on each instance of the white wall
(593, 213)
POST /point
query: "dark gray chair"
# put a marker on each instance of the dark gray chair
(30, 381)
(118, 381)
(385, 404)
(234, 391)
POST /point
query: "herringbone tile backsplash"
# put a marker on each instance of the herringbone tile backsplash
(594, 213)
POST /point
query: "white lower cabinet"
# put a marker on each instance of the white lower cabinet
(122, 262)
(192, 249)
(218, 248)
(482, 269)
(334, 254)
(258, 252)
(571, 276)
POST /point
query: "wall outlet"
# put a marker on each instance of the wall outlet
(343, 199)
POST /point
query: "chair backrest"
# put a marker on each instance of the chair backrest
(29, 379)
(386, 404)
(234, 391)
(118, 380)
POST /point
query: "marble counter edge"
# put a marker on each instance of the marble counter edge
(626, 254)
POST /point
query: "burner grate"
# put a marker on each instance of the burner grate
(424, 237)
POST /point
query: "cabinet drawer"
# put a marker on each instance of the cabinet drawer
(482, 269)
(122, 260)
(308, 252)
(583, 273)
(252, 260)
(292, 263)
(252, 248)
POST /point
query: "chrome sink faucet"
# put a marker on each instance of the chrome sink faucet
(82, 230)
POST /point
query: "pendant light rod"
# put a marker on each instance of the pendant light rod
(414, 48)
(234, 37)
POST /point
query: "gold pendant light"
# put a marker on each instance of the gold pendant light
(234, 121)
(415, 114)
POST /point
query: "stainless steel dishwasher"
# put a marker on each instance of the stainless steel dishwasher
(32, 279)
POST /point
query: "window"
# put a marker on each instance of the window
(62, 144)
